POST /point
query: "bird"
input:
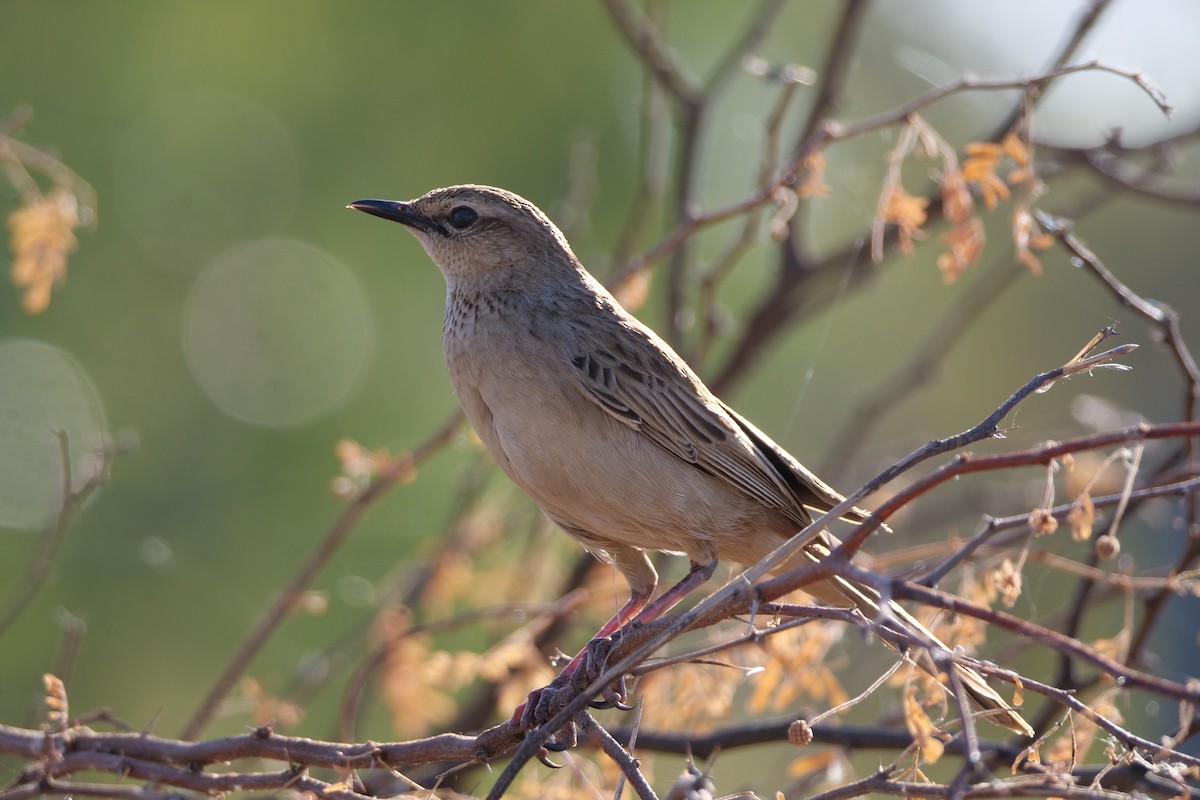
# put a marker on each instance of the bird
(606, 428)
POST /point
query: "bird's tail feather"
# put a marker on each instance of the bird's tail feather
(838, 591)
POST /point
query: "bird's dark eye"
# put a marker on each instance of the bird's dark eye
(462, 217)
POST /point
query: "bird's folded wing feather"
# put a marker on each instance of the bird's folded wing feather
(674, 411)
(810, 490)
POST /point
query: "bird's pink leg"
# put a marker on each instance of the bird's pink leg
(697, 576)
(628, 612)
(635, 610)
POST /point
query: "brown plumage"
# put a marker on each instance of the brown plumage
(601, 423)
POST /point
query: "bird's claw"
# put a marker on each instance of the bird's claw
(595, 662)
(613, 696)
(563, 739)
(595, 657)
(543, 755)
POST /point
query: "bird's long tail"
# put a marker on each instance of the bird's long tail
(838, 591)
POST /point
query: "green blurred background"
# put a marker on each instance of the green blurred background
(224, 140)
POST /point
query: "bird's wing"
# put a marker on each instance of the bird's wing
(810, 490)
(673, 409)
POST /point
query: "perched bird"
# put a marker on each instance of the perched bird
(603, 425)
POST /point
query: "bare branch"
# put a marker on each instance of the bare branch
(38, 569)
(614, 750)
(284, 602)
(921, 368)
(652, 51)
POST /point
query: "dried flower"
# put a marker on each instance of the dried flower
(797, 666)
(925, 734)
(908, 213)
(814, 177)
(1082, 517)
(1025, 240)
(1007, 579)
(957, 203)
(266, 709)
(55, 700)
(966, 240)
(1042, 522)
(42, 238)
(980, 169)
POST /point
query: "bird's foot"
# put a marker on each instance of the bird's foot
(594, 660)
(613, 696)
(539, 707)
(542, 704)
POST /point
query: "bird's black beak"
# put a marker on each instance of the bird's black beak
(397, 212)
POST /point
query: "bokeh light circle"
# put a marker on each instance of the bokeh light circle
(44, 394)
(202, 170)
(277, 332)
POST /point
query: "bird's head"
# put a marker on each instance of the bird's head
(476, 233)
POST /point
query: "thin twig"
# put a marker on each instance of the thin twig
(996, 525)
(72, 499)
(283, 603)
(1088, 19)
(1119, 174)
(942, 339)
(972, 756)
(779, 303)
(629, 765)
(932, 597)
(654, 53)
(835, 130)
